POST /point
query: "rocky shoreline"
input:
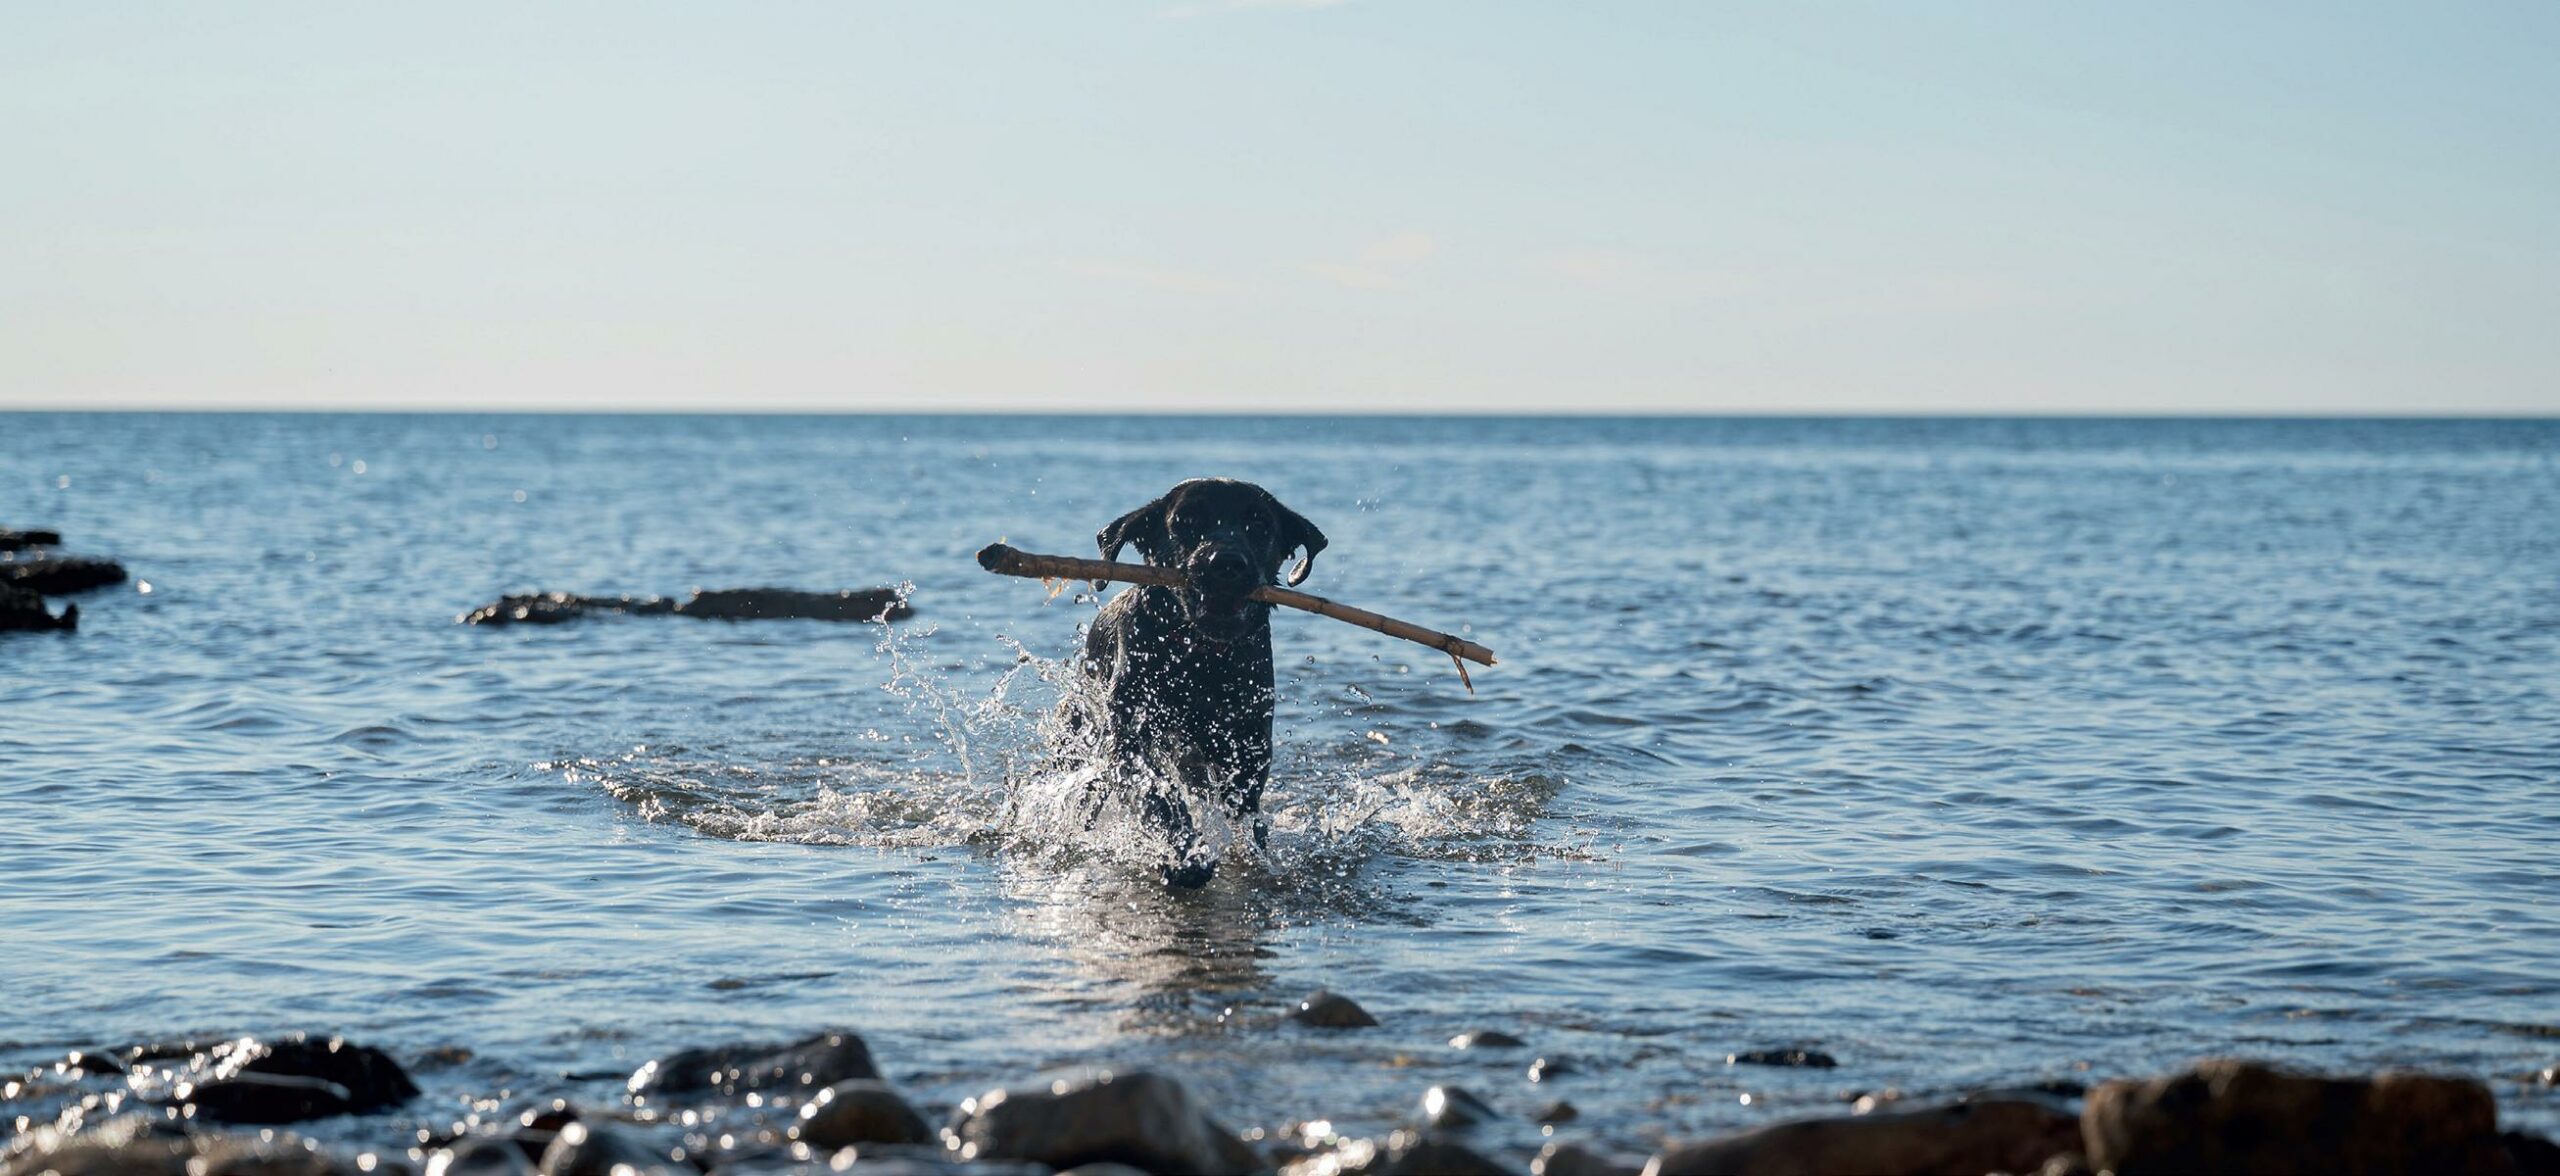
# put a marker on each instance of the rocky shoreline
(822, 1104)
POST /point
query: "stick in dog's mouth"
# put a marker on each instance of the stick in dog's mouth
(1009, 561)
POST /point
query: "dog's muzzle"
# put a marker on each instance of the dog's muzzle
(1219, 599)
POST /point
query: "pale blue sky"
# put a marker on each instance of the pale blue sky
(1365, 205)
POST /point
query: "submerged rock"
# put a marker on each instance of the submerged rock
(1486, 1039)
(1964, 1137)
(727, 604)
(806, 1065)
(22, 611)
(19, 540)
(1141, 1119)
(859, 1110)
(57, 575)
(1326, 1010)
(2236, 1116)
(1797, 1058)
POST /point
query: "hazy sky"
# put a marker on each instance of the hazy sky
(1229, 204)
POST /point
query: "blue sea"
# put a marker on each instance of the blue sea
(1972, 753)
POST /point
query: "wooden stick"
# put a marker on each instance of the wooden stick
(1008, 561)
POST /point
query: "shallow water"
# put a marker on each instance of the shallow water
(1970, 752)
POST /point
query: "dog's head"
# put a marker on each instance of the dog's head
(1230, 537)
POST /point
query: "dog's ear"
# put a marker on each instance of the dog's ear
(1297, 533)
(1143, 528)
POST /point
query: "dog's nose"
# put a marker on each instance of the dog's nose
(1220, 567)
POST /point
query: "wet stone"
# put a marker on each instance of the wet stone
(480, 1155)
(264, 1099)
(1452, 1107)
(812, 1063)
(2237, 1116)
(1813, 1059)
(859, 1110)
(372, 1079)
(1559, 1111)
(1547, 1068)
(1141, 1119)
(132, 1147)
(1326, 1010)
(1486, 1039)
(1963, 1137)
(1405, 1153)
(1572, 1159)
(599, 1149)
(20, 540)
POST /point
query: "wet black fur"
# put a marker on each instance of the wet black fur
(1185, 674)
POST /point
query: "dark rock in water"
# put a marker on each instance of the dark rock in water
(22, 611)
(480, 1155)
(1572, 1159)
(1559, 1111)
(2239, 1117)
(1486, 1039)
(551, 608)
(1405, 1153)
(1964, 1137)
(600, 1149)
(373, 1081)
(762, 604)
(1141, 1119)
(56, 575)
(19, 540)
(264, 1099)
(131, 1146)
(283, 1080)
(1453, 1107)
(1547, 1069)
(2549, 1076)
(859, 1110)
(1326, 1010)
(806, 1065)
(1813, 1059)
(728, 604)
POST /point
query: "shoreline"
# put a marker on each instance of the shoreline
(822, 1104)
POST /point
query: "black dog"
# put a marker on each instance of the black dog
(1184, 674)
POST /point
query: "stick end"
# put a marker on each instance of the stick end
(994, 556)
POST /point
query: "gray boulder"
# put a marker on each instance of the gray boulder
(2001, 1136)
(1141, 1119)
(801, 1067)
(859, 1110)
(2236, 1116)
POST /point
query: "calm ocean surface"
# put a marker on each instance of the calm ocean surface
(1973, 753)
